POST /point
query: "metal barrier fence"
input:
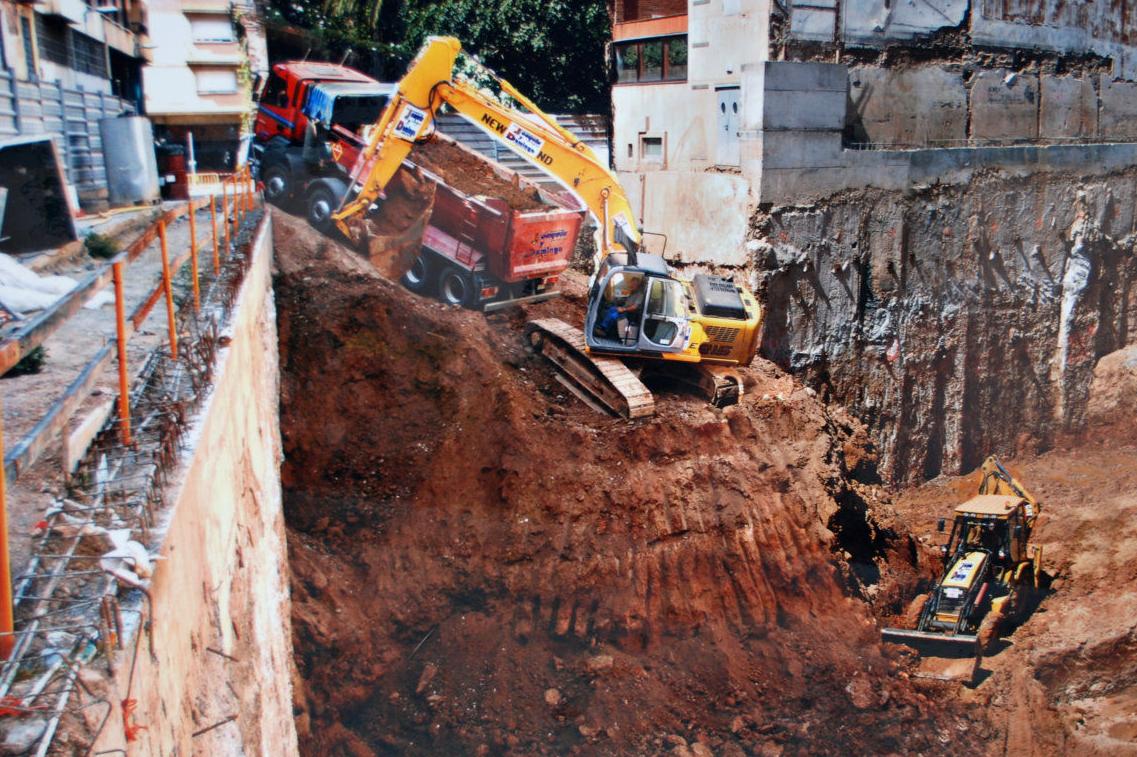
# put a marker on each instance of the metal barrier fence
(66, 606)
(71, 116)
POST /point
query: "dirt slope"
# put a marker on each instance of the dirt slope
(1065, 682)
(483, 565)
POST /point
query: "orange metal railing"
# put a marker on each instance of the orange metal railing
(238, 187)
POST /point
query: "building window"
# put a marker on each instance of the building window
(90, 55)
(216, 82)
(649, 60)
(636, 10)
(211, 29)
(651, 149)
(677, 59)
(52, 37)
(29, 49)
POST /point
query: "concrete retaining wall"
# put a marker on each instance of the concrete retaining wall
(221, 632)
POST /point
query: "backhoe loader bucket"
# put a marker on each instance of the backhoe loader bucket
(391, 236)
(943, 657)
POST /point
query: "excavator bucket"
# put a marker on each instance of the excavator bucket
(943, 657)
(391, 236)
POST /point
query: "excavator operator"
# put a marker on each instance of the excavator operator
(622, 308)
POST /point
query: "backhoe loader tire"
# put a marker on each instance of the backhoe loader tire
(455, 287)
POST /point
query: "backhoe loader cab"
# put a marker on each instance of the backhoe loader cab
(997, 524)
(990, 574)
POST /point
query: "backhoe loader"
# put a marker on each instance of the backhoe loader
(990, 577)
(691, 331)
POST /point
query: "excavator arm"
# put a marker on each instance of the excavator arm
(428, 85)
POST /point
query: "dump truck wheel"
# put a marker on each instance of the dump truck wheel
(278, 184)
(418, 278)
(321, 204)
(455, 287)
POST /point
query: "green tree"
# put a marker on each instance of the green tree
(552, 50)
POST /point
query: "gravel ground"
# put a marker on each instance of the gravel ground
(26, 399)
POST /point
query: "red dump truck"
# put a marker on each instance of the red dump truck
(494, 239)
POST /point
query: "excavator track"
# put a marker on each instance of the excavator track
(606, 380)
(718, 385)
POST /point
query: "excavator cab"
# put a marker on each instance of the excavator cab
(660, 322)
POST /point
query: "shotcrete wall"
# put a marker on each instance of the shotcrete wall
(956, 321)
(219, 651)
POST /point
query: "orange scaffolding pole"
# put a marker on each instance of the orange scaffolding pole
(225, 217)
(7, 616)
(236, 208)
(123, 377)
(213, 222)
(167, 284)
(193, 256)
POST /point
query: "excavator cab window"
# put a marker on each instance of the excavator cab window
(665, 312)
(621, 309)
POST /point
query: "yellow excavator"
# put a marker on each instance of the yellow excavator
(688, 331)
(990, 577)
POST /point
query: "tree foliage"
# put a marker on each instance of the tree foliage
(552, 50)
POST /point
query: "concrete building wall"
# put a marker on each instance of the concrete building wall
(222, 582)
(691, 189)
(800, 136)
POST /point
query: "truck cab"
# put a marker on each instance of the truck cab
(310, 123)
(330, 95)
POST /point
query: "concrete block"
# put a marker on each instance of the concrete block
(1069, 108)
(917, 106)
(76, 442)
(804, 110)
(812, 23)
(805, 77)
(871, 23)
(802, 149)
(1118, 116)
(1004, 106)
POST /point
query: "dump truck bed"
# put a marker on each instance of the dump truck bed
(483, 232)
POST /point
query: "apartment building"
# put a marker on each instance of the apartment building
(204, 58)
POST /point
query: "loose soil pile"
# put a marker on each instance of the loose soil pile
(483, 565)
(472, 174)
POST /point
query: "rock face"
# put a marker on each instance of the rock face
(1113, 394)
(570, 580)
(955, 322)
